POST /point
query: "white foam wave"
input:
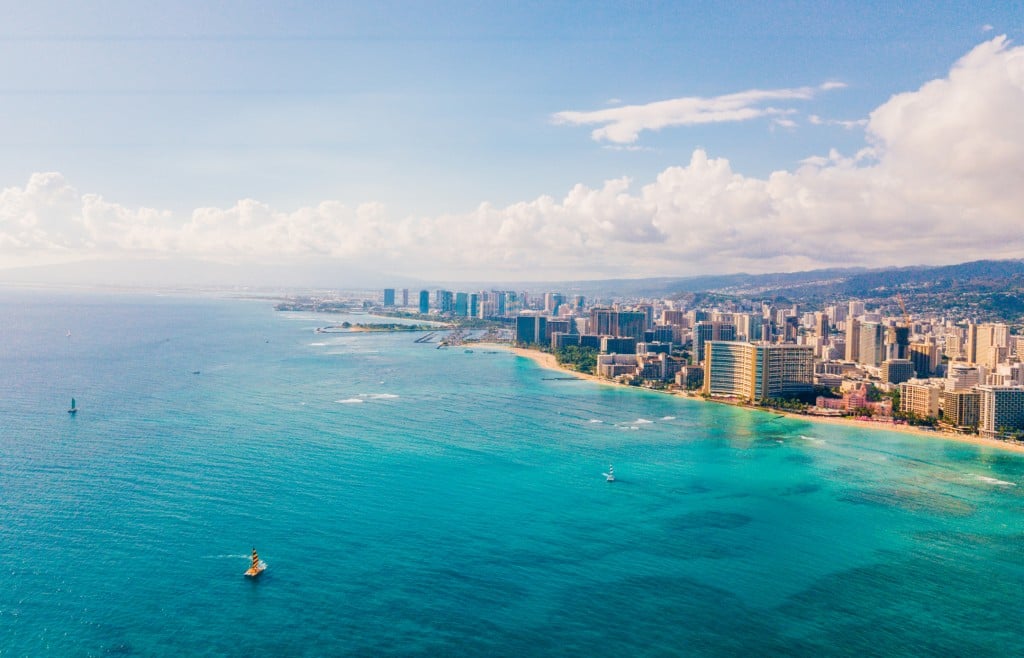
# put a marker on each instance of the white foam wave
(812, 439)
(350, 401)
(642, 421)
(378, 396)
(990, 480)
(595, 420)
(668, 417)
(318, 344)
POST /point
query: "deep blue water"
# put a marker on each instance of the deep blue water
(410, 500)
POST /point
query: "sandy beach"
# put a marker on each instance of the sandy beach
(548, 361)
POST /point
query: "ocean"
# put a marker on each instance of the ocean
(410, 500)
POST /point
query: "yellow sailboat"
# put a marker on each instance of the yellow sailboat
(257, 567)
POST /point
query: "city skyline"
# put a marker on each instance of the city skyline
(576, 142)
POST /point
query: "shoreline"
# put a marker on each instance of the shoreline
(547, 361)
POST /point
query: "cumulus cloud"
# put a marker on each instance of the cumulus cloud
(623, 125)
(938, 180)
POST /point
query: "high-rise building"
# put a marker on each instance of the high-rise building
(960, 408)
(389, 297)
(987, 344)
(552, 300)
(474, 305)
(896, 371)
(962, 377)
(461, 304)
(852, 338)
(405, 298)
(871, 343)
(676, 318)
(1000, 410)
(609, 322)
(531, 329)
(919, 398)
(897, 342)
(424, 301)
(445, 301)
(925, 356)
(821, 324)
(757, 371)
(706, 331)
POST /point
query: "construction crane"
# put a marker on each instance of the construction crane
(903, 307)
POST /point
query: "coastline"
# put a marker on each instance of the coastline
(548, 362)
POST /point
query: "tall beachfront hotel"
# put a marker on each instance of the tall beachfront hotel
(1000, 408)
(755, 371)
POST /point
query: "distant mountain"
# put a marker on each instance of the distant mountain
(670, 286)
(986, 274)
(980, 290)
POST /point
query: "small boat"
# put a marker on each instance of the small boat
(257, 567)
(610, 475)
(73, 409)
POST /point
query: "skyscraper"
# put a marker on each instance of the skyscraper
(758, 371)
(705, 332)
(389, 297)
(609, 322)
(424, 301)
(1000, 410)
(852, 338)
(872, 336)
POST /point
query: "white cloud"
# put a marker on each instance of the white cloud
(623, 125)
(849, 124)
(939, 180)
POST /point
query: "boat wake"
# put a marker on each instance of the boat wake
(378, 396)
(994, 481)
(812, 439)
(350, 401)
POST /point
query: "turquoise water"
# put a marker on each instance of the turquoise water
(410, 500)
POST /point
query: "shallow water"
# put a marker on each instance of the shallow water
(411, 500)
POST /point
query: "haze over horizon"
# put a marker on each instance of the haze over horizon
(465, 142)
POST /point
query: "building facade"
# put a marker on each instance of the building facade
(919, 398)
(756, 371)
(1000, 410)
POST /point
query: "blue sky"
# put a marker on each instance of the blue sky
(280, 132)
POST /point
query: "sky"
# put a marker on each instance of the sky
(523, 141)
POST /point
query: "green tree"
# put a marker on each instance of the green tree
(581, 359)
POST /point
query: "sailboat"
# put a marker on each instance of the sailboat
(73, 409)
(610, 475)
(257, 567)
